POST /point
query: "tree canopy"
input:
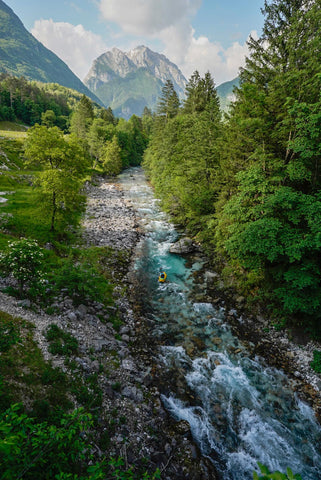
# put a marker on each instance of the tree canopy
(248, 186)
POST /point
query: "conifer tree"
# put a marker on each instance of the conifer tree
(168, 104)
(199, 92)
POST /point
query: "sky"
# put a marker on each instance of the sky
(203, 35)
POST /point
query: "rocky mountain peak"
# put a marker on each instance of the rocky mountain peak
(129, 81)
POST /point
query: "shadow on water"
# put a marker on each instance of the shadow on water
(243, 411)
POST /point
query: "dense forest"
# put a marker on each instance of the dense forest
(247, 185)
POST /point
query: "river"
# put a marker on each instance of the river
(240, 410)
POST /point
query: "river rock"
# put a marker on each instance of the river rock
(184, 245)
(133, 393)
(182, 427)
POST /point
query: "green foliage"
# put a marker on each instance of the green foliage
(269, 200)
(9, 334)
(30, 103)
(61, 342)
(111, 158)
(81, 281)
(199, 93)
(81, 118)
(24, 374)
(24, 261)
(267, 475)
(182, 162)
(168, 104)
(316, 363)
(40, 450)
(63, 165)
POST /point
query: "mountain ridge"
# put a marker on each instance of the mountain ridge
(116, 72)
(22, 55)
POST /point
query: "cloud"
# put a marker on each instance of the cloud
(192, 53)
(147, 17)
(76, 46)
(170, 21)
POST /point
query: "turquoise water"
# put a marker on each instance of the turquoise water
(242, 410)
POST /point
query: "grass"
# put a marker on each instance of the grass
(12, 127)
(13, 135)
(23, 371)
(13, 131)
(11, 151)
(24, 374)
(61, 342)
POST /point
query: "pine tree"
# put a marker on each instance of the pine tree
(199, 93)
(168, 104)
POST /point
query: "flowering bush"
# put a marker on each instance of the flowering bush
(24, 261)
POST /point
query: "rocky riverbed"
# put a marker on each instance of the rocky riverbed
(131, 415)
(124, 360)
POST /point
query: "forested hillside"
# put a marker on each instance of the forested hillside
(248, 184)
(21, 54)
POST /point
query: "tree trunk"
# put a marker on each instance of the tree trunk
(54, 209)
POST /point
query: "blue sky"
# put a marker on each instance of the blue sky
(194, 34)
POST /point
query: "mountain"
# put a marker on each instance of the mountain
(129, 81)
(225, 92)
(22, 55)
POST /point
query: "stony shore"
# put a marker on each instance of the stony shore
(131, 387)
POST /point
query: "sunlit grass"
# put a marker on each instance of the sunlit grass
(12, 127)
(13, 135)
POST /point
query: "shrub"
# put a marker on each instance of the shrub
(316, 363)
(81, 282)
(24, 261)
(39, 450)
(61, 343)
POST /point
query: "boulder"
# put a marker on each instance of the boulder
(184, 245)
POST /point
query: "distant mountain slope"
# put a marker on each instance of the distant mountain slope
(127, 82)
(22, 55)
(225, 92)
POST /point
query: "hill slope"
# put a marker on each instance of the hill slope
(21, 54)
(225, 92)
(127, 82)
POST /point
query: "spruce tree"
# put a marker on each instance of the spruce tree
(168, 104)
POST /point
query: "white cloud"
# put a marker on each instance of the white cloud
(170, 22)
(192, 53)
(76, 46)
(147, 17)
